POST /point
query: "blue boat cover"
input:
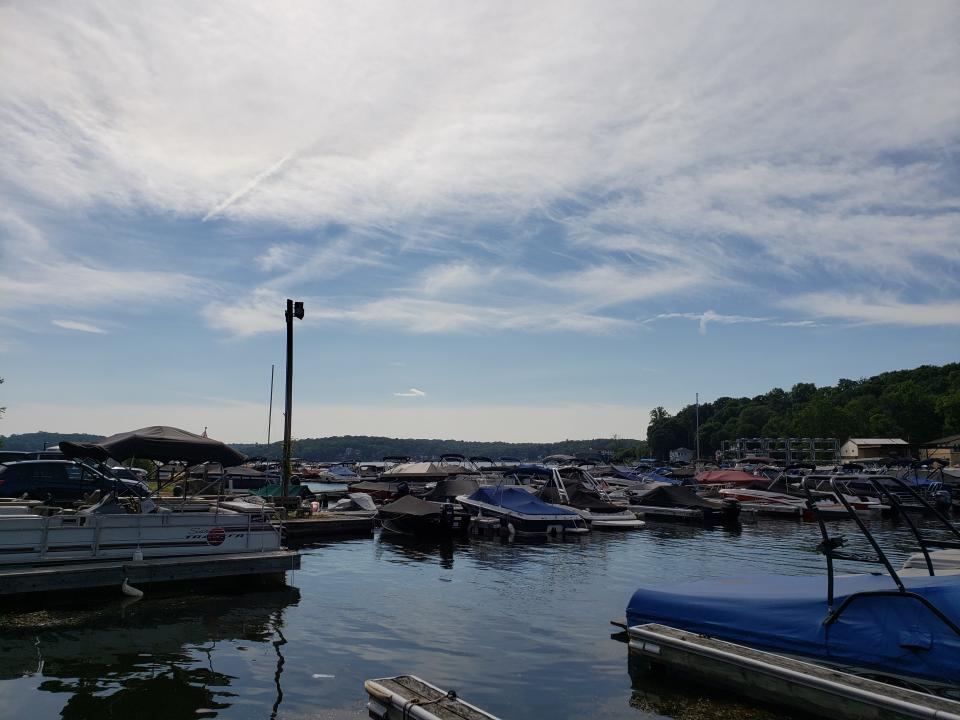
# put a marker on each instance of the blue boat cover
(895, 634)
(518, 500)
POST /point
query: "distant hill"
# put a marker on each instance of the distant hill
(917, 405)
(41, 440)
(364, 447)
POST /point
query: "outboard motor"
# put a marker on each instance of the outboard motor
(446, 515)
(402, 489)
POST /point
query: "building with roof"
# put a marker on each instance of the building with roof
(681, 454)
(946, 448)
(866, 448)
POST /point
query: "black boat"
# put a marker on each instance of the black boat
(437, 513)
(665, 501)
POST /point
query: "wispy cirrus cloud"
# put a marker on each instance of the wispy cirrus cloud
(630, 158)
(411, 393)
(878, 309)
(79, 326)
(705, 318)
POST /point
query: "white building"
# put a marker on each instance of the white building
(864, 448)
(681, 454)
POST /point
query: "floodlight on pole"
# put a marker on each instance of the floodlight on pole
(294, 310)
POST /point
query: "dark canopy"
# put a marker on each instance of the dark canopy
(158, 442)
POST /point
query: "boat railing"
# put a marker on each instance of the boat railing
(831, 546)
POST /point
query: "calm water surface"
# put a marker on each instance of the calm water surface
(520, 630)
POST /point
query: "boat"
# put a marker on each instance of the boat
(521, 513)
(127, 526)
(905, 626)
(669, 501)
(574, 488)
(437, 513)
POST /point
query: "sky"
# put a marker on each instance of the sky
(506, 221)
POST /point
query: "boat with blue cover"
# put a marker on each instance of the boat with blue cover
(522, 513)
(899, 624)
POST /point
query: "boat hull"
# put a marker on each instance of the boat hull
(32, 539)
(525, 525)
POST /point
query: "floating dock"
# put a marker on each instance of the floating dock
(407, 696)
(780, 680)
(297, 531)
(256, 567)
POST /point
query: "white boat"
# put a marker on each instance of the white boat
(575, 489)
(119, 527)
(112, 530)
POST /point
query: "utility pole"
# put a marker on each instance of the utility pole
(294, 310)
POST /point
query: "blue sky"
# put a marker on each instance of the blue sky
(516, 223)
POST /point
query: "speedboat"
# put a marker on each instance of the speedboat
(576, 489)
(521, 513)
(669, 501)
(437, 513)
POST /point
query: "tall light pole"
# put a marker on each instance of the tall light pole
(294, 310)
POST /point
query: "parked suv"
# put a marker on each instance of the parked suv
(60, 482)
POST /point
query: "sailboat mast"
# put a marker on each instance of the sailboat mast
(270, 413)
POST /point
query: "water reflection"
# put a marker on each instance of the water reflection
(393, 547)
(153, 659)
(675, 696)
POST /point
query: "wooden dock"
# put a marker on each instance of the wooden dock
(407, 696)
(297, 531)
(16, 581)
(784, 681)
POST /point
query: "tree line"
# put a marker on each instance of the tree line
(916, 405)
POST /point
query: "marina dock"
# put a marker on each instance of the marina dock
(784, 681)
(260, 567)
(297, 531)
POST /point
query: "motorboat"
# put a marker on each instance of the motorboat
(670, 501)
(437, 513)
(574, 488)
(896, 624)
(521, 513)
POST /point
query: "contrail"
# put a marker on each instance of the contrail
(246, 189)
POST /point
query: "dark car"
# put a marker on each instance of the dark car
(15, 456)
(61, 482)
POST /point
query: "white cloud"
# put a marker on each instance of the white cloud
(412, 392)
(737, 138)
(704, 318)
(36, 272)
(878, 309)
(79, 326)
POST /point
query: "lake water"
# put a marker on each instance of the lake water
(520, 630)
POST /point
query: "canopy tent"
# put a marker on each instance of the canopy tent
(157, 442)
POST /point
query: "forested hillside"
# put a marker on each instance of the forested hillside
(362, 447)
(917, 405)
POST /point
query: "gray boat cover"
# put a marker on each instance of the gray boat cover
(661, 494)
(451, 487)
(410, 505)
